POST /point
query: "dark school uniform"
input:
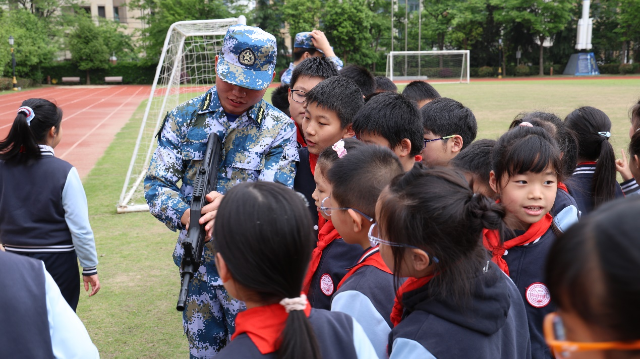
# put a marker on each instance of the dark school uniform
(329, 263)
(258, 331)
(630, 187)
(304, 182)
(367, 293)
(580, 186)
(491, 326)
(524, 263)
(563, 200)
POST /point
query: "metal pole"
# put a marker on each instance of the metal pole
(13, 61)
(392, 4)
(406, 34)
(419, 33)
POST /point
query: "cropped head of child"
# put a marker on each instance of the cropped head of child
(384, 84)
(475, 163)
(393, 121)
(527, 167)
(331, 106)
(634, 115)
(306, 76)
(421, 92)
(361, 77)
(37, 123)
(593, 272)
(449, 127)
(357, 180)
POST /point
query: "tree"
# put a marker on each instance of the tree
(267, 15)
(380, 28)
(346, 24)
(301, 15)
(87, 47)
(468, 20)
(629, 27)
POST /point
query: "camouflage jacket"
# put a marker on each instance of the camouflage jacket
(260, 145)
(286, 76)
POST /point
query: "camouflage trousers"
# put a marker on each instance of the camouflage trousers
(209, 318)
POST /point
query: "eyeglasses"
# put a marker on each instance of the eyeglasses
(554, 334)
(327, 210)
(374, 239)
(437, 139)
(299, 96)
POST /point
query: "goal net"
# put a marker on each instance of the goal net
(186, 66)
(447, 66)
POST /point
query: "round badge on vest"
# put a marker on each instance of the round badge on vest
(538, 295)
(326, 284)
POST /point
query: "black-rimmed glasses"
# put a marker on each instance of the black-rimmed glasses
(437, 139)
(299, 96)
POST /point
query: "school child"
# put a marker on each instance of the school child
(630, 185)
(307, 45)
(43, 207)
(475, 163)
(332, 255)
(362, 77)
(391, 120)
(593, 272)
(263, 264)
(449, 128)
(634, 112)
(594, 180)
(306, 76)
(455, 303)
(366, 292)
(329, 111)
(383, 84)
(527, 167)
(280, 99)
(568, 145)
(421, 92)
(634, 153)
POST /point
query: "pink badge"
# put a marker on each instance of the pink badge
(538, 295)
(326, 284)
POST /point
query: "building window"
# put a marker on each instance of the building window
(101, 12)
(86, 9)
(116, 14)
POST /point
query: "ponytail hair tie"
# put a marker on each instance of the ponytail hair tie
(28, 112)
(299, 303)
(339, 148)
(605, 134)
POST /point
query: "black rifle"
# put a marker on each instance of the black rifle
(205, 182)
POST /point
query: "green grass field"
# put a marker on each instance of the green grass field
(134, 314)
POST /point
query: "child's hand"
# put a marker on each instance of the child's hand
(622, 166)
(93, 281)
(321, 43)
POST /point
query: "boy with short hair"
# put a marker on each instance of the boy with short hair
(475, 163)
(307, 45)
(306, 76)
(361, 77)
(393, 121)
(420, 92)
(329, 111)
(279, 99)
(449, 127)
(384, 84)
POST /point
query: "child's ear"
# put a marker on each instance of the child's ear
(53, 132)
(493, 182)
(636, 161)
(349, 132)
(357, 220)
(403, 148)
(456, 143)
(223, 271)
(420, 260)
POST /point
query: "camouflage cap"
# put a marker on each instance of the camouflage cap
(303, 40)
(248, 57)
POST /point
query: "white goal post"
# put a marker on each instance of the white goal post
(186, 68)
(446, 66)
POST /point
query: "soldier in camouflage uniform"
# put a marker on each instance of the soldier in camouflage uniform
(259, 144)
(315, 41)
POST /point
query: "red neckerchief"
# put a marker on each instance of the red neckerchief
(326, 235)
(264, 325)
(491, 240)
(409, 285)
(563, 187)
(371, 257)
(300, 137)
(313, 160)
(587, 163)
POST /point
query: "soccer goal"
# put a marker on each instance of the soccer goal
(447, 66)
(186, 68)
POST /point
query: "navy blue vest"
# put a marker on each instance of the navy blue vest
(31, 212)
(304, 182)
(24, 326)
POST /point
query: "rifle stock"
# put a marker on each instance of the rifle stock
(193, 244)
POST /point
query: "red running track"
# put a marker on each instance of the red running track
(92, 117)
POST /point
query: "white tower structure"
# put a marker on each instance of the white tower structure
(585, 25)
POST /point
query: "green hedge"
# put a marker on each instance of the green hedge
(131, 72)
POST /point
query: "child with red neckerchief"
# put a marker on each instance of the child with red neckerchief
(262, 242)
(455, 302)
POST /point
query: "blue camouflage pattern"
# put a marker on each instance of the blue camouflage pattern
(286, 75)
(248, 57)
(303, 40)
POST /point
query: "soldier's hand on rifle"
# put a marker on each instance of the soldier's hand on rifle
(209, 212)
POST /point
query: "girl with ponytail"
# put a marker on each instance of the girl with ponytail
(43, 207)
(594, 180)
(262, 241)
(455, 302)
